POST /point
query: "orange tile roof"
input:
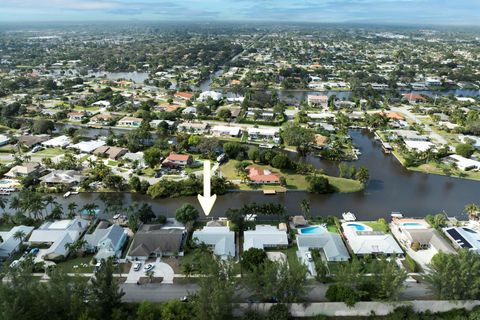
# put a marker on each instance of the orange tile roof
(184, 95)
(259, 175)
(177, 157)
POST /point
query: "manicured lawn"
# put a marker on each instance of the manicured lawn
(6, 149)
(50, 152)
(438, 168)
(149, 172)
(294, 181)
(68, 265)
(375, 225)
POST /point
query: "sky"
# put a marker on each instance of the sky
(409, 12)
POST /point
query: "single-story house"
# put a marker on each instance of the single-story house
(101, 103)
(264, 236)
(462, 162)
(153, 241)
(204, 96)
(464, 238)
(25, 170)
(177, 160)
(102, 118)
(193, 127)
(330, 243)
(263, 133)
(130, 122)
(184, 95)
(414, 98)
(106, 241)
(111, 152)
(155, 123)
(299, 221)
(221, 239)
(76, 115)
(135, 156)
(262, 176)
(320, 141)
(475, 139)
(31, 141)
(57, 142)
(4, 140)
(58, 233)
(318, 100)
(226, 131)
(88, 146)
(364, 241)
(419, 146)
(10, 244)
(64, 177)
(167, 107)
(190, 110)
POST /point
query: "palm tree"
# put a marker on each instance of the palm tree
(150, 275)
(3, 204)
(305, 207)
(90, 208)
(72, 206)
(473, 210)
(19, 235)
(15, 204)
(49, 200)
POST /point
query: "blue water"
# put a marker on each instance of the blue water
(312, 230)
(414, 224)
(359, 227)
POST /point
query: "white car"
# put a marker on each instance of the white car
(15, 264)
(148, 267)
(137, 266)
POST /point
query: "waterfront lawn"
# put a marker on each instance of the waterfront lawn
(376, 225)
(294, 180)
(445, 170)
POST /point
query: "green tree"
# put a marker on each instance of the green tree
(280, 161)
(298, 136)
(472, 210)
(186, 213)
(465, 150)
(42, 126)
(253, 257)
(72, 207)
(318, 184)
(176, 310)
(147, 311)
(362, 175)
(152, 156)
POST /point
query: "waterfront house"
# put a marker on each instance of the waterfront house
(364, 241)
(87, 146)
(464, 237)
(57, 142)
(102, 119)
(153, 241)
(106, 241)
(63, 177)
(76, 116)
(130, 122)
(462, 163)
(419, 146)
(57, 234)
(265, 236)
(193, 127)
(264, 134)
(10, 244)
(318, 101)
(257, 175)
(220, 238)
(206, 95)
(184, 95)
(175, 160)
(413, 98)
(113, 153)
(25, 170)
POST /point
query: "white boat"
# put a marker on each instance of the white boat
(67, 194)
(396, 215)
(73, 192)
(348, 216)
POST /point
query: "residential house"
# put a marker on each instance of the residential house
(220, 238)
(204, 96)
(190, 110)
(4, 140)
(463, 163)
(168, 107)
(262, 176)
(184, 95)
(103, 119)
(57, 142)
(130, 122)
(106, 241)
(265, 236)
(364, 241)
(419, 146)
(228, 131)
(155, 123)
(193, 127)
(153, 241)
(88, 146)
(113, 153)
(76, 116)
(58, 234)
(320, 141)
(25, 170)
(10, 243)
(63, 177)
(464, 237)
(330, 243)
(31, 141)
(414, 98)
(264, 134)
(175, 160)
(318, 101)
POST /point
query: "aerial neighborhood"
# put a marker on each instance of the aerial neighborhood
(342, 165)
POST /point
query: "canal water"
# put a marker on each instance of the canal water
(391, 188)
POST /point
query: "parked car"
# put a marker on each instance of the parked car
(308, 255)
(221, 158)
(137, 266)
(148, 267)
(97, 267)
(37, 148)
(34, 252)
(15, 264)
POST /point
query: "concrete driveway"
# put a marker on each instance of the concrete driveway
(160, 270)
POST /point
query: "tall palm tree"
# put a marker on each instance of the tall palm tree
(49, 200)
(473, 210)
(15, 204)
(305, 207)
(72, 206)
(19, 235)
(90, 208)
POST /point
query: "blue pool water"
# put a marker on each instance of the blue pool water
(411, 224)
(359, 227)
(312, 230)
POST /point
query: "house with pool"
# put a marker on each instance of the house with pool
(363, 240)
(330, 244)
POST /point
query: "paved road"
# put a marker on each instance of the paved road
(165, 292)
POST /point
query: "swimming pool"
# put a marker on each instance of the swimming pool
(312, 230)
(411, 224)
(358, 227)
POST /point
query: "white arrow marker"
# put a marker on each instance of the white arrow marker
(206, 201)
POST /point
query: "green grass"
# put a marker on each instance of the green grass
(68, 265)
(376, 226)
(50, 152)
(6, 226)
(294, 180)
(439, 169)
(6, 149)
(149, 172)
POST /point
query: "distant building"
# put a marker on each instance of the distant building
(88, 146)
(226, 131)
(130, 122)
(260, 176)
(57, 142)
(76, 116)
(184, 95)
(193, 127)
(413, 98)
(111, 152)
(318, 101)
(175, 160)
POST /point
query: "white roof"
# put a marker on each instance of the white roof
(212, 94)
(264, 236)
(60, 141)
(3, 138)
(221, 238)
(464, 237)
(370, 242)
(10, 244)
(476, 139)
(420, 146)
(263, 131)
(88, 146)
(465, 163)
(233, 131)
